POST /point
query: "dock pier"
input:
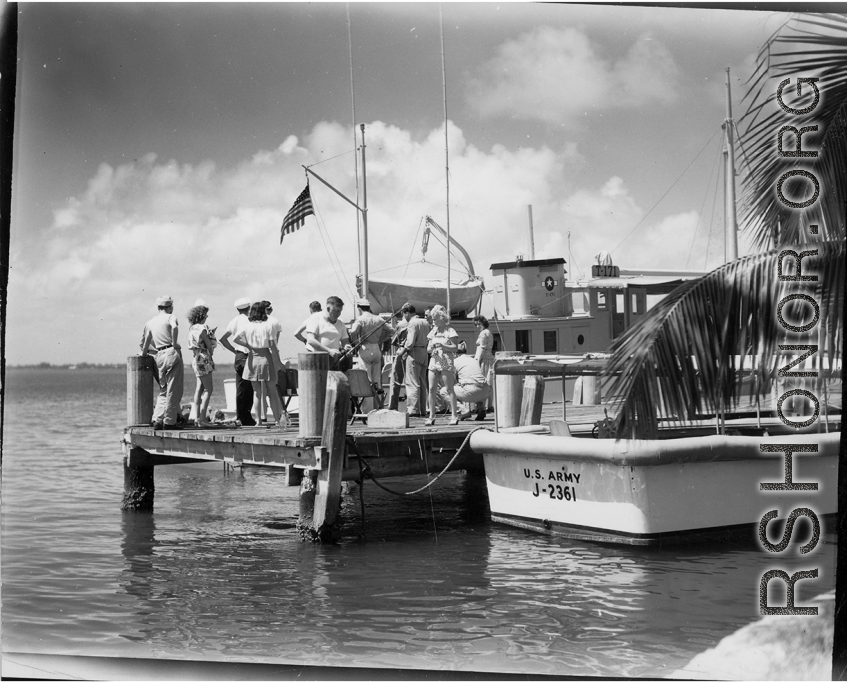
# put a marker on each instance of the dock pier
(321, 444)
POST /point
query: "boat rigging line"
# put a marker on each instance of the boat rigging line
(342, 277)
(679, 177)
(702, 206)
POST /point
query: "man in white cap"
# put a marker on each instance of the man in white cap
(415, 359)
(370, 331)
(160, 334)
(243, 387)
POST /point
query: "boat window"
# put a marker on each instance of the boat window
(635, 302)
(497, 344)
(619, 302)
(601, 301)
(522, 341)
(551, 341)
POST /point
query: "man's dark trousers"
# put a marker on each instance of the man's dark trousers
(243, 392)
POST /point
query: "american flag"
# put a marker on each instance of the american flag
(296, 216)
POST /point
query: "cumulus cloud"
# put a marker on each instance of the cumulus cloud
(157, 226)
(557, 75)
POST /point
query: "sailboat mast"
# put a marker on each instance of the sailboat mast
(355, 158)
(364, 292)
(729, 195)
(446, 153)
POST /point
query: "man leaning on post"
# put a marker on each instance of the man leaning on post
(161, 334)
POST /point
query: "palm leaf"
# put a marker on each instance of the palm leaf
(813, 45)
(685, 357)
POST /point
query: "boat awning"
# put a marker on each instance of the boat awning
(552, 366)
(658, 284)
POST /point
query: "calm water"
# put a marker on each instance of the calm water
(216, 571)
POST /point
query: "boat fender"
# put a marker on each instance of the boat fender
(605, 428)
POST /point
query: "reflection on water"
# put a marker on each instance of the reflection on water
(216, 571)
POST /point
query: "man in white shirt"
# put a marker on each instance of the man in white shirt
(327, 333)
(315, 308)
(160, 334)
(243, 387)
(415, 359)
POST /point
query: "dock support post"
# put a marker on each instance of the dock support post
(139, 488)
(139, 390)
(533, 399)
(312, 369)
(320, 496)
(509, 390)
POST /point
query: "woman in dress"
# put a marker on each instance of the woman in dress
(260, 369)
(202, 342)
(484, 354)
(443, 344)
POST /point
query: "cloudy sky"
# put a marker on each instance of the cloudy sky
(158, 147)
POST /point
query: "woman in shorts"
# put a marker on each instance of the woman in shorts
(202, 342)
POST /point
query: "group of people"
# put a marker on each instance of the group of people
(428, 355)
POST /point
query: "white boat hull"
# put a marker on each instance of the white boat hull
(644, 492)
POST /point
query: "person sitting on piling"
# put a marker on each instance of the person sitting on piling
(370, 331)
(243, 387)
(470, 386)
(261, 366)
(160, 334)
(314, 309)
(443, 342)
(325, 332)
(202, 343)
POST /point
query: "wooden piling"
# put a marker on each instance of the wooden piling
(509, 394)
(320, 495)
(532, 401)
(139, 390)
(139, 488)
(312, 369)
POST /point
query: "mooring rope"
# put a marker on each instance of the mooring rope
(365, 468)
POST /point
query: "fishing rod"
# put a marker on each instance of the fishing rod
(358, 344)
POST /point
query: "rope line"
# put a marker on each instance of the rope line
(365, 468)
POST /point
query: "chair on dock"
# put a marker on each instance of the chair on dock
(360, 389)
(287, 385)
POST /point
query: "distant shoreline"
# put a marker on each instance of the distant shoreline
(68, 366)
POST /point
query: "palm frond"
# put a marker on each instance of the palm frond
(813, 45)
(685, 357)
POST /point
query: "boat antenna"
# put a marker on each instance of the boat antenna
(446, 153)
(729, 196)
(363, 294)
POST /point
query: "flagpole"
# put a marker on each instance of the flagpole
(364, 293)
(446, 153)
